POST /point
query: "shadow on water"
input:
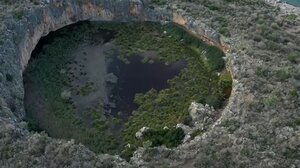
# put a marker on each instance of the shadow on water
(99, 37)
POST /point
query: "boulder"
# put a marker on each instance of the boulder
(140, 133)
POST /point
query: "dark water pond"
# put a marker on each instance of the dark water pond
(135, 77)
(139, 77)
(76, 86)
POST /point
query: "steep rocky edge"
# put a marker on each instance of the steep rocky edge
(254, 143)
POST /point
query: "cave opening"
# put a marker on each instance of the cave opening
(100, 82)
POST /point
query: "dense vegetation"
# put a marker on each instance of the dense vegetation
(169, 137)
(197, 82)
(59, 115)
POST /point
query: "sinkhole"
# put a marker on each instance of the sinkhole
(100, 82)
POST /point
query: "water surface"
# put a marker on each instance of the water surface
(293, 2)
(139, 77)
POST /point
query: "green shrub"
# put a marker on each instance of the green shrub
(127, 153)
(269, 101)
(271, 45)
(33, 125)
(213, 7)
(225, 31)
(225, 80)
(231, 125)
(9, 77)
(282, 75)
(214, 100)
(262, 72)
(169, 137)
(297, 121)
(294, 93)
(159, 2)
(291, 17)
(215, 58)
(294, 57)
(18, 13)
(296, 73)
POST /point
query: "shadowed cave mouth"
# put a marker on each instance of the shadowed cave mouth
(100, 82)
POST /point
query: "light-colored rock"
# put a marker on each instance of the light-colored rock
(139, 134)
(66, 94)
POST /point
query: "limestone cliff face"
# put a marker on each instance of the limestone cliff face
(58, 15)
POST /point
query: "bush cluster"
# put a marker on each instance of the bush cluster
(169, 137)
